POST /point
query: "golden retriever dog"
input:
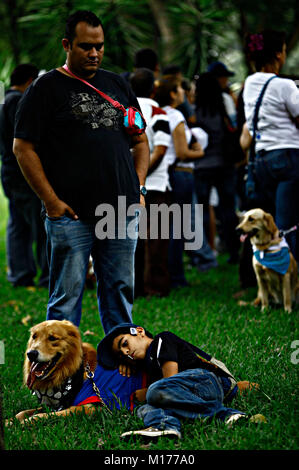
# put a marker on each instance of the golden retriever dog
(274, 265)
(54, 367)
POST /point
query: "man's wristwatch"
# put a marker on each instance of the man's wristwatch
(143, 190)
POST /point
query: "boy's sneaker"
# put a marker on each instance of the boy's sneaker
(258, 418)
(152, 433)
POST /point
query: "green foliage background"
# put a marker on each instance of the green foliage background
(191, 33)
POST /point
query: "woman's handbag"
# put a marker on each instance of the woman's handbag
(251, 189)
(134, 122)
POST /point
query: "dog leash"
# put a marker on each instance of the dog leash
(282, 233)
(90, 376)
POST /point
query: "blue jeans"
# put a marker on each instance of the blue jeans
(193, 394)
(70, 244)
(25, 226)
(182, 184)
(203, 255)
(277, 173)
(224, 180)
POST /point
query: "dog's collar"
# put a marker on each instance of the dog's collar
(282, 243)
(60, 398)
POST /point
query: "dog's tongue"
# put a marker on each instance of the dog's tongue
(243, 237)
(36, 370)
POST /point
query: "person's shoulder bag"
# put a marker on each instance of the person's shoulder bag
(251, 183)
(134, 121)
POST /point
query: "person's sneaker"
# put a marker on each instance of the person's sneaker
(152, 433)
(258, 418)
(233, 419)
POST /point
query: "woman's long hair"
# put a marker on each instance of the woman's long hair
(209, 95)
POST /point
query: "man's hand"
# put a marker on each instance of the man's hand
(58, 208)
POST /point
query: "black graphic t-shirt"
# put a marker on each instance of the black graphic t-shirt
(80, 138)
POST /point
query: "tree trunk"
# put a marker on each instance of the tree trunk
(161, 18)
(13, 13)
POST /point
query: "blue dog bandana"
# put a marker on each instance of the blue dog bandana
(278, 261)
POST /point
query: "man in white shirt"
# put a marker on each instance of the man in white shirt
(151, 271)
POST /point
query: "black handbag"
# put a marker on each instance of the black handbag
(251, 186)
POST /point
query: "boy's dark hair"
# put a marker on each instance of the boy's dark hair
(262, 48)
(22, 73)
(142, 82)
(80, 15)
(146, 58)
(165, 86)
(105, 356)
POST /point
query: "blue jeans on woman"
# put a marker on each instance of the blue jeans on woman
(193, 394)
(70, 243)
(277, 173)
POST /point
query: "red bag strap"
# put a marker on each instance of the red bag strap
(116, 104)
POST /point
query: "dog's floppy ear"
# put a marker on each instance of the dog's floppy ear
(270, 224)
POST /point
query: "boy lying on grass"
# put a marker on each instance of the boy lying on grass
(185, 382)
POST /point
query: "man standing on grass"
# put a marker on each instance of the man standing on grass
(25, 225)
(73, 150)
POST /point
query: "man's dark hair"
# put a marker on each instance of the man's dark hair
(146, 58)
(80, 15)
(22, 73)
(142, 82)
(171, 69)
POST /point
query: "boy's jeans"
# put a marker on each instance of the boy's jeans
(194, 393)
(70, 243)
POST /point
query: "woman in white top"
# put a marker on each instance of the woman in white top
(277, 136)
(181, 153)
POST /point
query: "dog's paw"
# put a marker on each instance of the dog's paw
(257, 302)
(9, 422)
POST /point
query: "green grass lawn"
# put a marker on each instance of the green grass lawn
(254, 345)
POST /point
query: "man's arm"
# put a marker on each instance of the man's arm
(141, 155)
(34, 174)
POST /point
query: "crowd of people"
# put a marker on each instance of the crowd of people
(193, 132)
(64, 144)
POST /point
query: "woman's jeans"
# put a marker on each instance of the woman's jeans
(70, 243)
(277, 173)
(194, 393)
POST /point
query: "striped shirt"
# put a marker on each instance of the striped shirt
(158, 133)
